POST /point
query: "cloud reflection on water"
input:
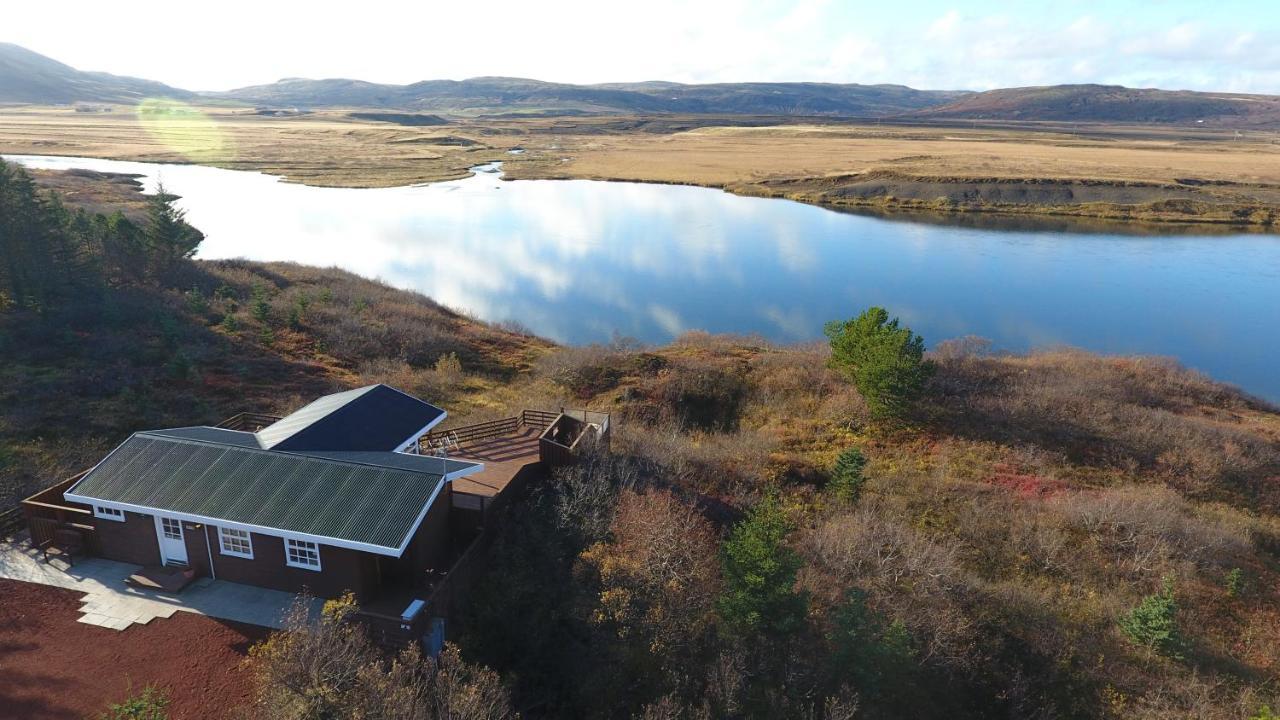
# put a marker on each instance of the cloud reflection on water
(580, 261)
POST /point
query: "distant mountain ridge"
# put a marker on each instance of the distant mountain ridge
(28, 77)
(1111, 103)
(504, 94)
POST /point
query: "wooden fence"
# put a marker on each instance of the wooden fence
(12, 521)
(494, 428)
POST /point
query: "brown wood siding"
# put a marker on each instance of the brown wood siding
(429, 549)
(132, 541)
(196, 536)
(340, 569)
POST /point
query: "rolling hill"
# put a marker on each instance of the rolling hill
(506, 95)
(1111, 103)
(29, 77)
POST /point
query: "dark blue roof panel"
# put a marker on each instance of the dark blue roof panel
(376, 418)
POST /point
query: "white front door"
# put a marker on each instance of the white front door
(173, 548)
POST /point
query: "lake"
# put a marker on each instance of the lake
(581, 261)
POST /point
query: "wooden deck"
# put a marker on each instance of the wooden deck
(503, 457)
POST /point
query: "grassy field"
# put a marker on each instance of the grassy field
(1122, 172)
(327, 149)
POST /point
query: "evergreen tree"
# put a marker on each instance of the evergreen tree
(885, 361)
(760, 575)
(846, 476)
(168, 236)
(1154, 623)
(39, 259)
(868, 653)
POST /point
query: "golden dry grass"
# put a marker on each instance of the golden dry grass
(1104, 171)
(326, 149)
(732, 155)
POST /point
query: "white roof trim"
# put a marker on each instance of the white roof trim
(448, 478)
(425, 429)
(475, 468)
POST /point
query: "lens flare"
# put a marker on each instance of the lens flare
(184, 129)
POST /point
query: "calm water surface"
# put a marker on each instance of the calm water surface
(579, 261)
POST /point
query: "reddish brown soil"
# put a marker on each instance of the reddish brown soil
(54, 667)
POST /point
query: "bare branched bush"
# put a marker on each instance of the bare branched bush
(585, 370)
(1128, 414)
(657, 579)
(918, 577)
(713, 463)
(328, 668)
(1148, 529)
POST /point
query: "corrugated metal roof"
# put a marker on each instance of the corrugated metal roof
(372, 418)
(403, 461)
(357, 500)
(212, 434)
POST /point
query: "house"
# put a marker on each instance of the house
(357, 491)
(331, 498)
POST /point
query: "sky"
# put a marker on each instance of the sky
(1226, 45)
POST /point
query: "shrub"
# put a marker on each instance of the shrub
(703, 397)
(846, 476)
(760, 576)
(1154, 623)
(328, 668)
(196, 301)
(1235, 582)
(260, 306)
(150, 704)
(885, 361)
(449, 368)
(586, 371)
(866, 649)
(654, 585)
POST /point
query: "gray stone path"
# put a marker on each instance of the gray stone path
(109, 602)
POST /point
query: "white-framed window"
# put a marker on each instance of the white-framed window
(107, 513)
(172, 528)
(301, 554)
(235, 542)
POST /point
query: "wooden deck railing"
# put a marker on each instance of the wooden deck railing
(12, 521)
(572, 433)
(486, 430)
(49, 503)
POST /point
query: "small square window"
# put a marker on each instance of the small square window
(235, 542)
(107, 513)
(302, 554)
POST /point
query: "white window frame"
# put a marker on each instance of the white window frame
(172, 534)
(108, 513)
(305, 546)
(236, 535)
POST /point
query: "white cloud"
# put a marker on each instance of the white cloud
(928, 44)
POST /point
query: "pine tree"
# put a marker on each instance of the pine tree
(846, 476)
(39, 260)
(1154, 623)
(886, 362)
(760, 575)
(169, 238)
